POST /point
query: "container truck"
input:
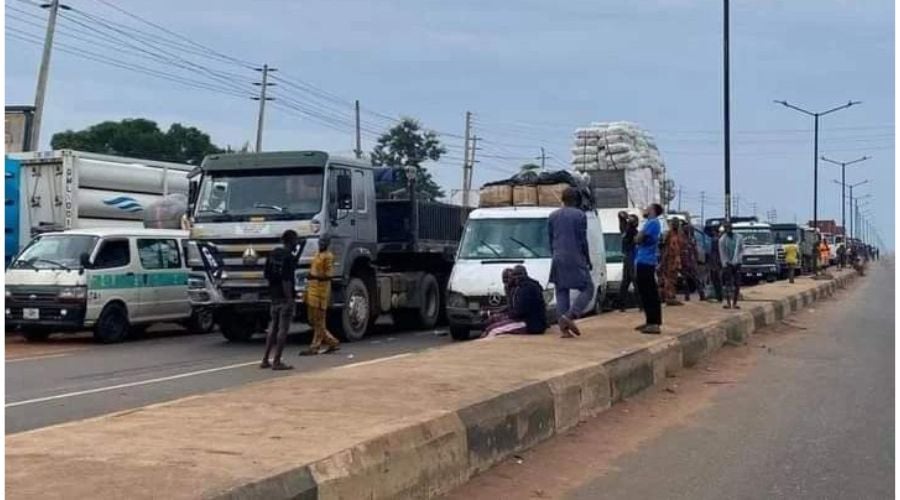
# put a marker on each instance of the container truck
(65, 189)
(391, 255)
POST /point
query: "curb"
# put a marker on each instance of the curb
(430, 458)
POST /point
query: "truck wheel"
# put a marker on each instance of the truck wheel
(460, 333)
(36, 335)
(426, 315)
(352, 321)
(113, 324)
(239, 327)
(201, 321)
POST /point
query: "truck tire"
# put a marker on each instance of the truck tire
(429, 311)
(36, 335)
(460, 333)
(113, 324)
(201, 321)
(352, 321)
(239, 327)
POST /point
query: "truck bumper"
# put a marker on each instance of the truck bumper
(464, 317)
(758, 271)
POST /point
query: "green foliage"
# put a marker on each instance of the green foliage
(529, 167)
(407, 145)
(139, 138)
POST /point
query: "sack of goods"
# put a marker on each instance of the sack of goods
(615, 146)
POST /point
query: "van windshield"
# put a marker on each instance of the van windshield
(486, 239)
(61, 251)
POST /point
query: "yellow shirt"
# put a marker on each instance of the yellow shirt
(791, 254)
(318, 291)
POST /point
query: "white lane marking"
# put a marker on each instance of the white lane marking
(35, 358)
(129, 384)
(373, 361)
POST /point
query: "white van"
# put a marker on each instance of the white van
(497, 238)
(110, 280)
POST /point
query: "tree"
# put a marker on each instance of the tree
(407, 145)
(139, 138)
(529, 167)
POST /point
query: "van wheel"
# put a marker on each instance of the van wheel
(201, 321)
(36, 335)
(113, 324)
(352, 321)
(239, 327)
(426, 315)
(460, 333)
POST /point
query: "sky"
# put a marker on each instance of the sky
(530, 71)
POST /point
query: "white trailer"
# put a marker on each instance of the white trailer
(61, 190)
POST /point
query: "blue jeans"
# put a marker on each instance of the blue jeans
(572, 310)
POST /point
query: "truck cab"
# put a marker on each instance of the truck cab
(497, 238)
(760, 251)
(782, 232)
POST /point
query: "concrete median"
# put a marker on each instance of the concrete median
(411, 426)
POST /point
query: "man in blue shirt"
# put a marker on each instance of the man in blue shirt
(645, 261)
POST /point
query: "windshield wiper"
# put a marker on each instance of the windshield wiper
(523, 245)
(53, 262)
(219, 211)
(491, 249)
(270, 207)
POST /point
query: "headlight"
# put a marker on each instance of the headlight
(456, 300)
(8, 294)
(300, 280)
(193, 255)
(195, 282)
(315, 226)
(73, 293)
(549, 295)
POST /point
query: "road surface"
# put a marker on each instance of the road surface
(71, 378)
(805, 411)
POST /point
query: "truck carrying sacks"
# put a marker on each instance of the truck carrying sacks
(622, 163)
(530, 189)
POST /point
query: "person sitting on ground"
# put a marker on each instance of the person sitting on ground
(502, 313)
(527, 313)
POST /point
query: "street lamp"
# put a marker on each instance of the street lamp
(851, 186)
(844, 165)
(816, 116)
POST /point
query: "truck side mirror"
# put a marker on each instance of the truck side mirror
(344, 192)
(85, 260)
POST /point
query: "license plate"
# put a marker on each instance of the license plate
(31, 313)
(759, 275)
(249, 297)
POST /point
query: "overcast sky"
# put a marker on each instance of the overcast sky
(531, 71)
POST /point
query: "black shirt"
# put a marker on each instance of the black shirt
(629, 233)
(280, 267)
(528, 305)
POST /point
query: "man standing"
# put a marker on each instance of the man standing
(731, 251)
(570, 268)
(714, 263)
(279, 272)
(318, 295)
(645, 260)
(690, 263)
(792, 257)
(842, 255)
(628, 227)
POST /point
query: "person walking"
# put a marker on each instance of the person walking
(842, 255)
(824, 253)
(645, 261)
(628, 227)
(570, 268)
(714, 264)
(670, 264)
(791, 257)
(731, 251)
(318, 297)
(279, 273)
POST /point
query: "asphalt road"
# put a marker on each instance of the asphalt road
(71, 378)
(805, 411)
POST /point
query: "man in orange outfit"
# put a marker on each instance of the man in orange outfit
(318, 296)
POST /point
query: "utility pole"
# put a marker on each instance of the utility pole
(43, 73)
(816, 157)
(262, 102)
(844, 165)
(754, 208)
(679, 198)
(727, 107)
(702, 207)
(466, 159)
(543, 158)
(358, 149)
(737, 205)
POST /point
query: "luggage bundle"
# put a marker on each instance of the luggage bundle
(530, 189)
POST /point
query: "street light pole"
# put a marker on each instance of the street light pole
(844, 165)
(727, 109)
(816, 116)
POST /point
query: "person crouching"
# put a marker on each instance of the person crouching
(526, 312)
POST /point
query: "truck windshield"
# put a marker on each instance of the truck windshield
(613, 244)
(781, 235)
(274, 194)
(62, 251)
(756, 236)
(486, 239)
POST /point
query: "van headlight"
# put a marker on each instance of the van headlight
(456, 300)
(196, 282)
(549, 295)
(72, 293)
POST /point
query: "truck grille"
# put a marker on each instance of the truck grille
(757, 260)
(238, 275)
